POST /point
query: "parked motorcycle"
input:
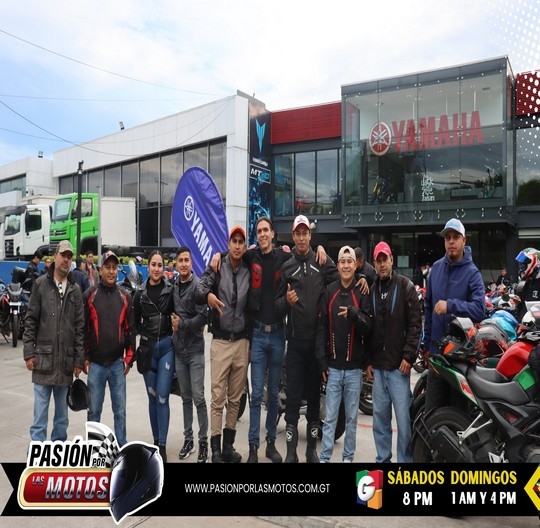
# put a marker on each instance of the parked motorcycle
(132, 278)
(501, 421)
(13, 306)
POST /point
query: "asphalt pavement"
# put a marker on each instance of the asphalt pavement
(16, 396)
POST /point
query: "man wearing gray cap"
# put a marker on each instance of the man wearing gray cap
(454, 289)
(53, 343)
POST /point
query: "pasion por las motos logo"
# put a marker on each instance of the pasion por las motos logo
(91, 474)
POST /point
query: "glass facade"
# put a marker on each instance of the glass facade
(312, 178)
(153, 181)
(426, 140)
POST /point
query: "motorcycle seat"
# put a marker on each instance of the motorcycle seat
(490, 374)
(509, 391)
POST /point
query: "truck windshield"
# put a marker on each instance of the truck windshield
(61, 209)
(13, 224)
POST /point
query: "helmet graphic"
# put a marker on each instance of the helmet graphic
(78, 395)
(529, 262)
(136, 479)
(461, 340)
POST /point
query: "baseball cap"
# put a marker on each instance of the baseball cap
(346, 251)
(237, 229)
(454, 224)
(381, 247)
(63, 246)
(109, 254)
(300, 220)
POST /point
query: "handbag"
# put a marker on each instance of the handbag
(143, 355)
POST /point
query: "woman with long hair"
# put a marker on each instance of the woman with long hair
(153, 306)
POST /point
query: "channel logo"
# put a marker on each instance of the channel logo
(369, 486)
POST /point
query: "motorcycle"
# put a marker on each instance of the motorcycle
(132, 279)
(497, 334)
(501, 419)
(14, 304)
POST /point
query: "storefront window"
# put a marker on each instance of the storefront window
(328, 191)
(112, 185)
(431, 137)
(528, 166)
(284, 174)
(171, 171)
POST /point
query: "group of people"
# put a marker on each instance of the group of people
(265, 307)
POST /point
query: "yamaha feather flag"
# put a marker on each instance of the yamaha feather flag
(198, 217)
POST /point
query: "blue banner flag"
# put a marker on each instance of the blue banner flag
(198, 217)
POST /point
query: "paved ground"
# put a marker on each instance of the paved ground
(16, 396)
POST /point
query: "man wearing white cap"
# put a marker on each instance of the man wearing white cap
(303, 282)
(455, 288)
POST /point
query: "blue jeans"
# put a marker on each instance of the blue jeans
(158, 381)
(391, 387)
(341, 385)
(98, 376)
(267, 349)
(42, 397)
(190, 372)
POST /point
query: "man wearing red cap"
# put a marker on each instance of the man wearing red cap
(226, 293)
(397, 325)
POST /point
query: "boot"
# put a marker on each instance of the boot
(163, 453)
(230, 454)
(291, 435)
(272, 452)
(252, 458)
(215, 444)
(312, 436)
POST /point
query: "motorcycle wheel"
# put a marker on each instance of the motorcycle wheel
(365, 404)
(14, 329)
(417, 406)
(454, 419)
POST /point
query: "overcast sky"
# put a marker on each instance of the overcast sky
(71, 70)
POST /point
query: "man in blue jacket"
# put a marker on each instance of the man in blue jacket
(455, 289)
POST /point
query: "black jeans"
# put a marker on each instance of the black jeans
(303, 381)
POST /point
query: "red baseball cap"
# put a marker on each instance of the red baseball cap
(237, 229)
(381, 247)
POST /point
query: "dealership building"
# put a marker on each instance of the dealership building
(393, 160)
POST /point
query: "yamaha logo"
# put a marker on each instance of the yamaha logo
(189, 208)
(380, 138)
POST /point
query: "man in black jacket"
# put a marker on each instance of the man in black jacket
(394, 341)
(109, 344)
(302, 285)
(188, 321)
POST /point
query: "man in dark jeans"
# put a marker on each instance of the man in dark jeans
(303, 282)
(188, 321)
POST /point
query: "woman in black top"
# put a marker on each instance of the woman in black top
(153, 306)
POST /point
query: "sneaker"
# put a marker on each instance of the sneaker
(347, 461)
(202, 457)
(186, 450)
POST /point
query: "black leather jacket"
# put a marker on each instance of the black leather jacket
(151, 320)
